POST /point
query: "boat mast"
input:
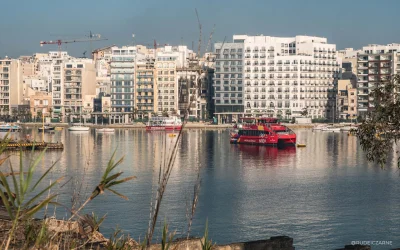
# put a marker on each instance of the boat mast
(42, 126)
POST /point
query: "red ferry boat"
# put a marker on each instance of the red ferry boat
(263, 131)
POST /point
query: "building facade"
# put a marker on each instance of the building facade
(122, 78)
(40, 102)
(145, 88)
(79, 82)
(11, 85)
(279, 76)
(375, 65)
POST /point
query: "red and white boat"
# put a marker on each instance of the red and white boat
(164, 123)
(262, 131)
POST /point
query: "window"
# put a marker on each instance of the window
(80, 66)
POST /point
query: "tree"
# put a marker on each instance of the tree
(51, 112)
(379, 131)
(134, 113)
(288, 113)
(39, 115)
(279, 114)
(304, 112)
(165, 113)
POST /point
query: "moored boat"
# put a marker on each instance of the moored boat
(78, 127)
(46, 128)
(332, 129)
(263, 131)
(164, 123)
(9, 128)
(320, 127)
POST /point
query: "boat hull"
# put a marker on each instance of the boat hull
(46, 129)
(160, 128)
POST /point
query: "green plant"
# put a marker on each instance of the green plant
(206, 244)
(166, 237)
(107, 181)
(118, 241)
(13, 193)
(380, 130)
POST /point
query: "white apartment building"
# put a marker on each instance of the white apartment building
(276, 76)
(51, 68)
(376, 64)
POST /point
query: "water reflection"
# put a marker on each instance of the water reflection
(325, 194)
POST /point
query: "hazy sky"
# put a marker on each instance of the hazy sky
(348, 23)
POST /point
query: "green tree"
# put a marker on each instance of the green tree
(288, 113)
(379, 131)
(279, 114)
(304, 112)
(165, 113)
(134, 113)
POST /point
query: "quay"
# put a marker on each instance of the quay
(34, 145)
(189, 125)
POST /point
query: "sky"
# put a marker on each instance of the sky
(347, 23)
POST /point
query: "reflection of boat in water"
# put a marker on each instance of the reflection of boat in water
(105, 130)
(9, 128)
(269, 152)
(46, 128)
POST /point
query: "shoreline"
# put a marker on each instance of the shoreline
(143, 126)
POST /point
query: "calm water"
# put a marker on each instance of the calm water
(324, 196)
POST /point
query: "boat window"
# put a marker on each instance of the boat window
(253, 132)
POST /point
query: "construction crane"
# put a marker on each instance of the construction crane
(199, 46)
(59, 42)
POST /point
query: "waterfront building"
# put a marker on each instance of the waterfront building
(168, 60)
(346, 100)
(40, 102)
(256, 75)
(102, 59)
(145, 88)
(375, 65)
(11, 85)
(51, 67)
(122, 78)
(188, 91)
(79, 84)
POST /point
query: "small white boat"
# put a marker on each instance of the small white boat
(349, 128)
(105, 130)
(320, 127)
(78, 127)
(331, 129)
(9, 128)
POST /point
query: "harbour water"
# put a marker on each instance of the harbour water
(325, 195)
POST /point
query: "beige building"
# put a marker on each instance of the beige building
(88, 103)
(40, 102)
(346, 100)
(146, 97)
(79, 81)
(106, 104)
(11, 85)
